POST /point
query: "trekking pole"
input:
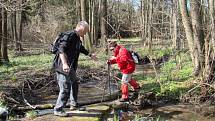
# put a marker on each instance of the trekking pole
(109, 80)
(105, 85)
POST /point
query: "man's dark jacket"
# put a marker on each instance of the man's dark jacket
(71, 46)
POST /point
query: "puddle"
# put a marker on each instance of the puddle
(163, 113)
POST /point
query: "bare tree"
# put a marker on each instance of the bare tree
(212, 14)
(198, 34)
(22, 17)
(96, 21)
(142, 20)
(187, 27)
(103, 22)
(78, 10)
(210, 46)
(87, 42)
(18, 46)
(1, 35)
(4, 38)
(176, 41)
(150, 20)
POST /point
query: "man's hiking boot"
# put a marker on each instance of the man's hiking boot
(123, 100)
(61, 113)
(73, 108)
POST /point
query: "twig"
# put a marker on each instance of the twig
(45, 86)
(156, 74)
(193, 88)
(25, 101)
(96, 77)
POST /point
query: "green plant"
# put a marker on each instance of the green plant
(31, 114)
(137, 117)
(115, 117)
(174, 77)
(158, 118)
(2, 103)
(14, 78)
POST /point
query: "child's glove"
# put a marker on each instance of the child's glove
(108, 62)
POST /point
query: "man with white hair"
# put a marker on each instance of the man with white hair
(65, 65)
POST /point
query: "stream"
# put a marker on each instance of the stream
(93, 92)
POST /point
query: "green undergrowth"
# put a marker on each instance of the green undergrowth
(173, 79)
(43, 62)
(24, 63)
(154, 53)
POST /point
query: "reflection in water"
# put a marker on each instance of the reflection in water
(164, 113)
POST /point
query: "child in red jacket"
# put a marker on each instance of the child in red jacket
(126, 65)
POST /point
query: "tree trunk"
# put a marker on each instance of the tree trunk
(78, 10)
(176, 41)
(1, 57)
(212, 14)
(210, 47)
(103, 22)
(146, 22)
(142, 21)
(150, 17)
(87, 41)
(187, 27)
(4, 40)
(15, 34)
(92, 22)
(97, 22)
(21, 23)
(198, 35)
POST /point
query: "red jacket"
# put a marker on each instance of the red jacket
(124, 60)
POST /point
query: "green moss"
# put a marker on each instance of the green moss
(99, 107)
(77, 118)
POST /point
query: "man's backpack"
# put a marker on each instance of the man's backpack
(135, 57)
(55, 45)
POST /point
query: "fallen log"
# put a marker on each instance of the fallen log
(82, 103)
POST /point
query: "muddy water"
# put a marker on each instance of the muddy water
(178, 112)
(89, 93)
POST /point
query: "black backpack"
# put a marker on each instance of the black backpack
(135, 57)
(55, 45)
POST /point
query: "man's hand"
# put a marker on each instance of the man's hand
(93, 56)
(64, 61)
(66, 68)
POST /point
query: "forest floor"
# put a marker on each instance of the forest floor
(27, 79)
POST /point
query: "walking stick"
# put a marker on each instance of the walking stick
(105, 85)
(109, 80)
